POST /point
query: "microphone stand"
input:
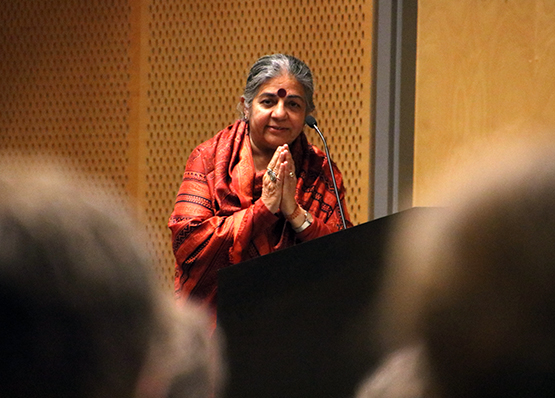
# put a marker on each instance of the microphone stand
(311, 122)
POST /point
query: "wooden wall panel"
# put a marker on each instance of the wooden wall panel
(121, 91)
(199, 57)
(484, 78)
(63, 91)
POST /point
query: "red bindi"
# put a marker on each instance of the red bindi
(282, 93)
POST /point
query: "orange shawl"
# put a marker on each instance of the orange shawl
(218, 220)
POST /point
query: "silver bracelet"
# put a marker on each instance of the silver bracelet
(307, 223)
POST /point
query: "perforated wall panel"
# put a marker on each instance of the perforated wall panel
(124, 90)
(63, 90)
(200, 55)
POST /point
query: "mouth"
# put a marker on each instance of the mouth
(278, 128)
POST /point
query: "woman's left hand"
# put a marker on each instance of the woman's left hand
(272, 182)
(288, 196)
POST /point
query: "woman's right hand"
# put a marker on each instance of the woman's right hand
(272, 190)
(288, 197)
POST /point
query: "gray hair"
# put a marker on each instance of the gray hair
(79, 305)
(270, 66)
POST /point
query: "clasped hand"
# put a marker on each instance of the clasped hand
(279, 193)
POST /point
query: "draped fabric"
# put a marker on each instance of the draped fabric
(218, 220)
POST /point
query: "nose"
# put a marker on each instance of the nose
(279, 111)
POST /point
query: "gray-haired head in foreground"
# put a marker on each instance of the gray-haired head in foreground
(271, 66)
(475, 281)
(77, 303)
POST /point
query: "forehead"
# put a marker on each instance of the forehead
(286, 82)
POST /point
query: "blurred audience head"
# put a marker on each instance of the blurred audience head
(473, 284)
(185, 362)
(400, 375)
(81, 314)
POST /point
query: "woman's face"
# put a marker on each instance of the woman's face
(277, 114)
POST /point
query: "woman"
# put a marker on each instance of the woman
(255, 187)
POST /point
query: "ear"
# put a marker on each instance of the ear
(245, 109)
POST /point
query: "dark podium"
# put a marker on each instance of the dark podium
(299, 322)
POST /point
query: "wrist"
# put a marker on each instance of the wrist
(295, 214)
(272, 207)
(307, 222)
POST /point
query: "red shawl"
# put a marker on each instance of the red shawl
(218, 220)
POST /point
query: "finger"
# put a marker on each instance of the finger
(286, 153)
(271, 194)
(281, 174)
(285, 149)
(288, 157)
(291, 170)
(289, 180)
(282, 157)
(288, 171)
(273, 162)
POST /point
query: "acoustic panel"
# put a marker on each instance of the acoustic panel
(199, 57)
(63, 92)
(121, 91)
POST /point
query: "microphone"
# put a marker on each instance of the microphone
(311, 122)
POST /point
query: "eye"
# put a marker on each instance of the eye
(295, 105)
(267, 101)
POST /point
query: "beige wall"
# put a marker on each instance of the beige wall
(485, 77)
(123, 90)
